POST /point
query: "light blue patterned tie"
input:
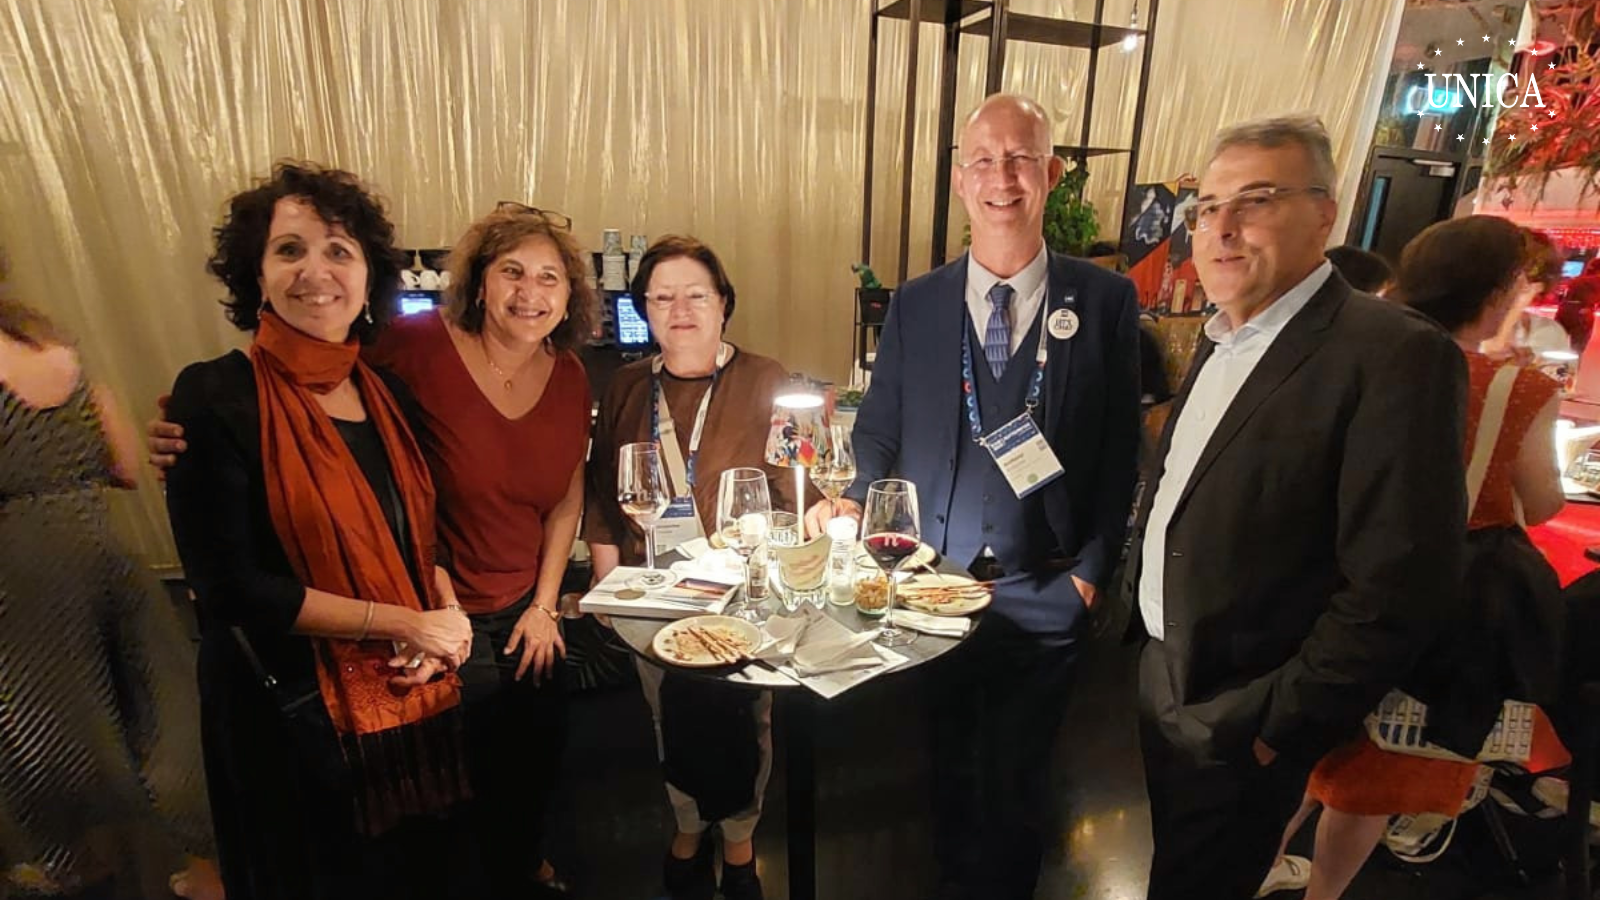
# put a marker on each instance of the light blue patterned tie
(997, 336)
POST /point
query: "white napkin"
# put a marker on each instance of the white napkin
(694, 548)
(782, 636)
(815, 644)
(941, 626)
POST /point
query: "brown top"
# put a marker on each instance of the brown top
(497, 477)
(735, 435)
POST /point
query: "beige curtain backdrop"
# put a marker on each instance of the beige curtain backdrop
(125, 124)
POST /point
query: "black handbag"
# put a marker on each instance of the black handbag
(305, 719)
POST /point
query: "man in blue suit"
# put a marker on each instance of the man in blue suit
(1010, 336)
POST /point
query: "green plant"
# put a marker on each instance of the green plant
(849, 397)
(1070, 225)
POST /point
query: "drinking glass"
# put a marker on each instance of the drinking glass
(743, 507)
(642, 491)
(891, 525)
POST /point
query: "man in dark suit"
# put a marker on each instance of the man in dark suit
(1030, 336)
(1300, 538)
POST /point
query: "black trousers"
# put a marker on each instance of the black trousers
(516, 735)
(997, 708)
(1217, 818)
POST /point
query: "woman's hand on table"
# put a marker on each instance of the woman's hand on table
(818, 516)
(539, 638)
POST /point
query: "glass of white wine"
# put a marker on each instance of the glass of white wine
(642, 491)
(835, 470)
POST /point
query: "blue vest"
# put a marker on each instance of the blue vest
(984, 511)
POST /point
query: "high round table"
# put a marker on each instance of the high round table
(799, 707)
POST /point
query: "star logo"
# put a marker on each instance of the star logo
(1551, 66)
(1461, 42)
(1437, 52)
(1535, 128)
(1461, 137)
(1513, 137)
(1512, 42)
(1438, 127)
(1486, 39)
(1552, 114)
(1486, 140)
(1419, 65)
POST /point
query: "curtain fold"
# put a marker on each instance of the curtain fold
(125, 125)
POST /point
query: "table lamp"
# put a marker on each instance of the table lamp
(799, 425)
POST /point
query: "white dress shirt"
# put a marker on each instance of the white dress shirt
(1028, 284)
(1235, 356)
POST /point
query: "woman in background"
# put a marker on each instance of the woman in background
(99, 727)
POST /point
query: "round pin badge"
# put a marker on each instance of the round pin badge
(1063, 324)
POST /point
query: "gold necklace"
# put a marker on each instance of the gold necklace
(490, 360)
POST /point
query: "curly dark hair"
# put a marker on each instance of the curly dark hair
(680, 246)
(499, 233)
(338, 197)
(1455, 269)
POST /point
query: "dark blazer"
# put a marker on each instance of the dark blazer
(912, 416)
(1317, 549)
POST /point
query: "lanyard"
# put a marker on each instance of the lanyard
(659, 410)
(969, 382)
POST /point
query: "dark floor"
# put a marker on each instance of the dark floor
(611, 823)
(874, 811)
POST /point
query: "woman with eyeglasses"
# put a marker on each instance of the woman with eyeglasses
(715, 400)
(501, 412)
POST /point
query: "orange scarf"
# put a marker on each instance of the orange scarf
(337, 540)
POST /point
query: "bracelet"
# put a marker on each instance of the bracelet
(554, 614)
(366, 624)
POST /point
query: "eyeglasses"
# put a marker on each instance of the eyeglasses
(1016, 162)
(1246, 206)
(556, 220)
(696, 298)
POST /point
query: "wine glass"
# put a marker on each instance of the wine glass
(743, 506)
(642, 491)
(891, 525)
(835, 470)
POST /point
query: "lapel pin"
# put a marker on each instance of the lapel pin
(1063, 324)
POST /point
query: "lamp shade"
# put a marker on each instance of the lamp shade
(799, 425)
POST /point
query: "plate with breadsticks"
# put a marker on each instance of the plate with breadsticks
(941, 594)
(706, 642)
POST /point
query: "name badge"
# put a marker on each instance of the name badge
(677, 525)
(1023, 455)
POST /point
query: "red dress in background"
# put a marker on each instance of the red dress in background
(1359, 777)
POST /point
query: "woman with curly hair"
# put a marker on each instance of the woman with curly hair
(500, 405)
(304, 515)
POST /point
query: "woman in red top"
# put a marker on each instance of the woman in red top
(1468, 275)
(502, 410)
(503, 420)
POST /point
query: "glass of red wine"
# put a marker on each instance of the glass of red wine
(891, 525)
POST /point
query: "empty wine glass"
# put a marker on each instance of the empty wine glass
(891, 525)
(642, 491)
(743, 506)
